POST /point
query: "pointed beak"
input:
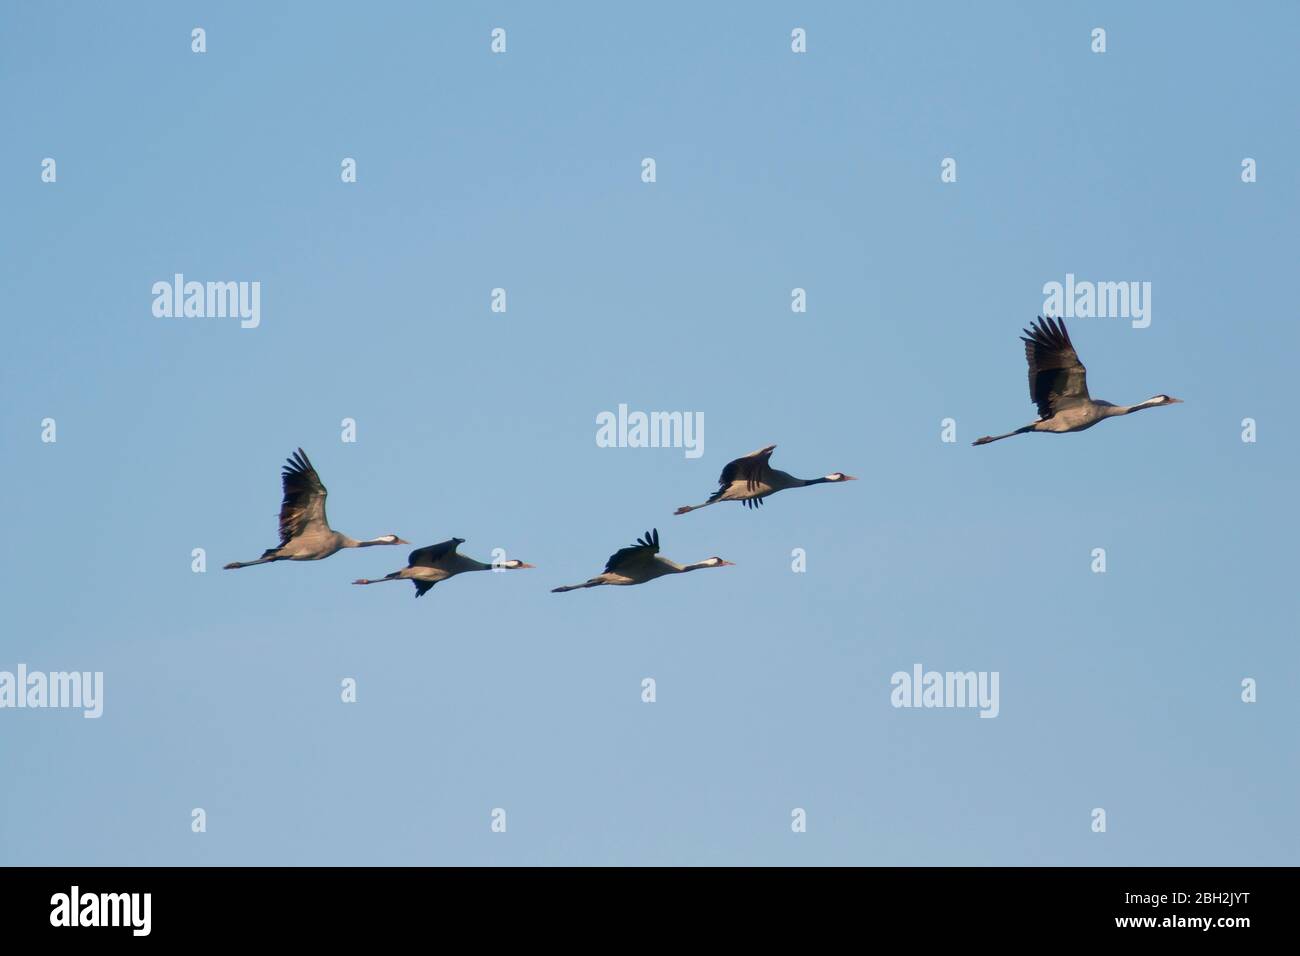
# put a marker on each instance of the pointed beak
(1175, 401)
(400, 541)
(728, 564)
(525, 564)
(850, 477)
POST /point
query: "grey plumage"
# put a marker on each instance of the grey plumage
(305, 534)
(426, 566)
(1058, 385)
(639, 563)
(751, 478)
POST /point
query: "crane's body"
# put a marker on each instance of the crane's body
(1058, 385)
(750, 478)
(305, 534)
(639, 563)
(657, 567)
(438, 562)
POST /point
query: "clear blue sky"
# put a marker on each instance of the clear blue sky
(775, 171)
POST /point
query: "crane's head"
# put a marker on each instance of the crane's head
(514, 565)
(716, 562)
(390, 539)
(1163, 400)
(840, 476)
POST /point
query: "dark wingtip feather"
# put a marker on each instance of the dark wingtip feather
(296, 462)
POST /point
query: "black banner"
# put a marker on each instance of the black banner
(375, 905)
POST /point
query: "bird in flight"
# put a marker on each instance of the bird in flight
(305, 534)
(751, 479)
(1058, 385)
(425, 567)
(639, 563)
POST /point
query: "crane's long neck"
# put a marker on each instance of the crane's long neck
(1127, 409)
(683, 568)
(832, 478)
(354, 543)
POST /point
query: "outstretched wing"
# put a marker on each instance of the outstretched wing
(303, 507)
(644, 549)
(1057, 379)
(751, 469)
(421, 587)
(428, 557)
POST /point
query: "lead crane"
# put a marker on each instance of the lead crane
(1058, 384)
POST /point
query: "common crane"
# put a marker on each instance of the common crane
(751, 479)
(639, 563)
(1058, 385)
(425, 567)
(305, 534)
